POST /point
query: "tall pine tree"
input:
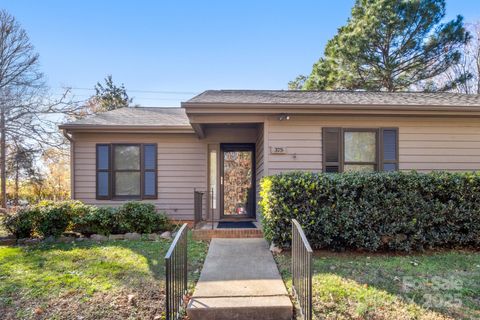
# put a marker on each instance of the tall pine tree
(389, 45)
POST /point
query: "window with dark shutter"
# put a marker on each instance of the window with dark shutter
(360, 149)
(331, 149)
(126, 171)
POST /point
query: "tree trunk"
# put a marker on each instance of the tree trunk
(17, 169)
(3, 158)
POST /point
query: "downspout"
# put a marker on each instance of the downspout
(72, 162)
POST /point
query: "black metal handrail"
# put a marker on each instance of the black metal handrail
(176, 273)
(302, 269)
(197, 207)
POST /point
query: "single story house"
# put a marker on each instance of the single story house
(222, 142)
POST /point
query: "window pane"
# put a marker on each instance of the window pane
(127, 158)
(359, 167)
(212, 179)
(390, 145)
(127, 183)
(149, 184)
(103, 157)
(102, 182)
(360, 146)
(389, 167)
(149, 157)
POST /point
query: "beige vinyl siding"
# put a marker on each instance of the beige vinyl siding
(182, 162)
(302, 138)
(425, 144)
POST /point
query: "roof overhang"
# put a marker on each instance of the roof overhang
(126, 128)
(195, 108)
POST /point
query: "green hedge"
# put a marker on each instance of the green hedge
(131, 217)
(49, 218)
(374, 211)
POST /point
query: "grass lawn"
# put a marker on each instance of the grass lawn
(439, 285)
(88, 280)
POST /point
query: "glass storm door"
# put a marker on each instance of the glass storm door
(238, 180)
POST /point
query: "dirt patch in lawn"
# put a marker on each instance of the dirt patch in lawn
(147, 303)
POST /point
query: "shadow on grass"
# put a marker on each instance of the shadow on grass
(437, 285)
(47, 270)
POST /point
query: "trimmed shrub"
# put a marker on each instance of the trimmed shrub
(131, 217)
(101, 220)
(142, 218)
(20, 223)
(374, 211)
(51, 218)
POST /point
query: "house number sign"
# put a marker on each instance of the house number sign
(278, 150)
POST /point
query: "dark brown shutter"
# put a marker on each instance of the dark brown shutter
(389, 149)
(103, 177)
(149, 166)
(332, 141)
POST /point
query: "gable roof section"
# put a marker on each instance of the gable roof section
(254, 102)
(295, 97)
(135, 118)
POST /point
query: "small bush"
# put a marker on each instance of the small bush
(142, 218)
(101, 220)
(53, 218)
(374, 211)
(21, 223)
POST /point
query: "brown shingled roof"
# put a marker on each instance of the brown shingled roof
(136, 116)
(294, 97)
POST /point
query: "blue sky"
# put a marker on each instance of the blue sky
(184, 46)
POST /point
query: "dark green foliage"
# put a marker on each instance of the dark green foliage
(109, 96)
(389, 45)
(102, 220)
(20, 224)
(374, 211)
(142, 218)
(53, 218)
(131, 217)
(49, 218)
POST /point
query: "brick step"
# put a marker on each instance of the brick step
(207, 234)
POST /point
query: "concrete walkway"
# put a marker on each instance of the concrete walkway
(240, 280)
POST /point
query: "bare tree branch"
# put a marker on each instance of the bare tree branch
(28, 115)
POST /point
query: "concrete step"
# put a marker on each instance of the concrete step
(239, 308)
(240, 280)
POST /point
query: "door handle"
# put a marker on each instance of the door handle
(221, 181)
